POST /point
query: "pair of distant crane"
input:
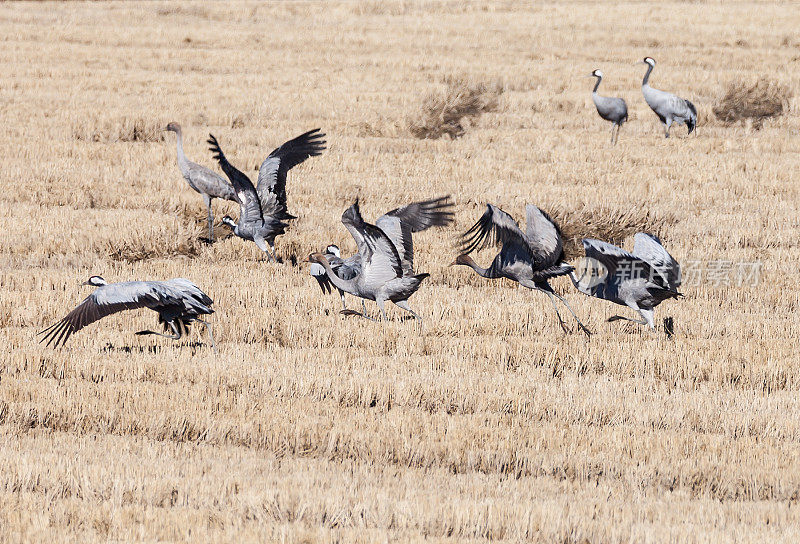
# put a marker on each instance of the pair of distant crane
(669, 108)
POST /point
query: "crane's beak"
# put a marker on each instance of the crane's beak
(639, 62)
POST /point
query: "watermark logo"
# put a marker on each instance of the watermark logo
(590, 272)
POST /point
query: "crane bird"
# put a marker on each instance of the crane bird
(640, 280)
(416, 217)
(530, 258)
(387, 261)
(610, 108)
(201, 179)
(178, 302)
(669, 107)
(262, 209)
(344, 268)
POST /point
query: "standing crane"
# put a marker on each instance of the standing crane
(414, 217)
(640, 280)
(610, 108)
(178, 302)
(262, 209)
(387, 260)
(206, 182)
(530, 258)
(669, 107)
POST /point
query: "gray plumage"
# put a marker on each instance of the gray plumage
(668, 107)
(399, 225)
(178, 302)
(640, 280)
(347, 269)
(530, 258)
(387, 258)
(262, 208)
(610, 108)
(206, 182)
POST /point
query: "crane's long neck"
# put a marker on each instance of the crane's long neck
(647, 75)
(596, 85)
(183, 163)
(485, 272)
(348, 286)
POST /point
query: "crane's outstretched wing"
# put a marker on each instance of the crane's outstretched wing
(648, 248)
(425, 214)
(494, 227)
(623, 265)
(105, 301)
(379, 257)
(400, 223)
(272, 174)
(249, 205)
(543, 236)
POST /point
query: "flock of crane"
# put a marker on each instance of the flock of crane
(383, 268)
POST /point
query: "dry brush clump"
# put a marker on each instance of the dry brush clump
(755, 102)
(126, 129)
(447, 113)
(609, 225)
(176, 238)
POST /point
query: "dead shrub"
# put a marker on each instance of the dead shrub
(174, 239)
(121, 130)
(446, 113)
(608, 225)
(756, 102)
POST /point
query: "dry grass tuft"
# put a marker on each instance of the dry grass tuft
(179, 238)
(609, 225)
(120, 130)
(447, 113)
(756, 102)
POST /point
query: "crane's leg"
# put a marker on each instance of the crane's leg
(404, 305)
(613, 126)
(262, 245)
(344, 304)
(381, 303)
(353, 312)
(666, 127)
(210, 333)
(210, 218)
(583, 328)
(647, 317)
(176, 336)
(558, 315)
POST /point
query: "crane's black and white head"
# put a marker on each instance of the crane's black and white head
(649, 60)
(597, 73)
(333, 249)
(96, 281)
(173, 127)
(228, 220)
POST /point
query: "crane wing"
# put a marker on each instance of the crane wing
(543, 236)
(622, 264)
(400, 234)
(207, 181)
(272, 174)
(648, 248)
(494, 227)
(249, 204)
(379, 257)
(105, 301)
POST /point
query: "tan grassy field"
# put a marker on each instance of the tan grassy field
(313, 427)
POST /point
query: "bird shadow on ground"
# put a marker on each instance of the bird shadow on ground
(153, 349)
